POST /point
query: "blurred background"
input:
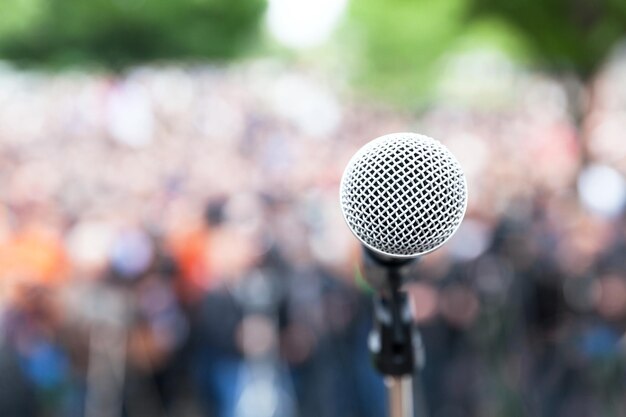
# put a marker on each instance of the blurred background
(170, 236)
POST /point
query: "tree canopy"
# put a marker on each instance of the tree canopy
(120, 32)
(564, 34)
(404, 42)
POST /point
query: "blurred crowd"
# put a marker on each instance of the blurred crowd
(171, 243)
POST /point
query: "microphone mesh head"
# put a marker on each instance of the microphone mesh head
(403, 195)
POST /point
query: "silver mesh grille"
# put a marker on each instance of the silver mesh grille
(403, 194)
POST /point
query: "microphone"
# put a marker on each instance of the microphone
(403, 195)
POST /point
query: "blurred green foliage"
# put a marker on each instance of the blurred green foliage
(400, 39)
(396, 47)
(566, 35)
(405, 42)
(120, 32)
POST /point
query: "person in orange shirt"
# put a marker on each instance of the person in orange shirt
(31, 255)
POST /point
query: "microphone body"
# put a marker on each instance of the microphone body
(402, 195)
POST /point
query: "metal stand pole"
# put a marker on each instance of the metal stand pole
(400, 396)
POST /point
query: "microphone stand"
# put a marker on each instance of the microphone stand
(395, 343)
